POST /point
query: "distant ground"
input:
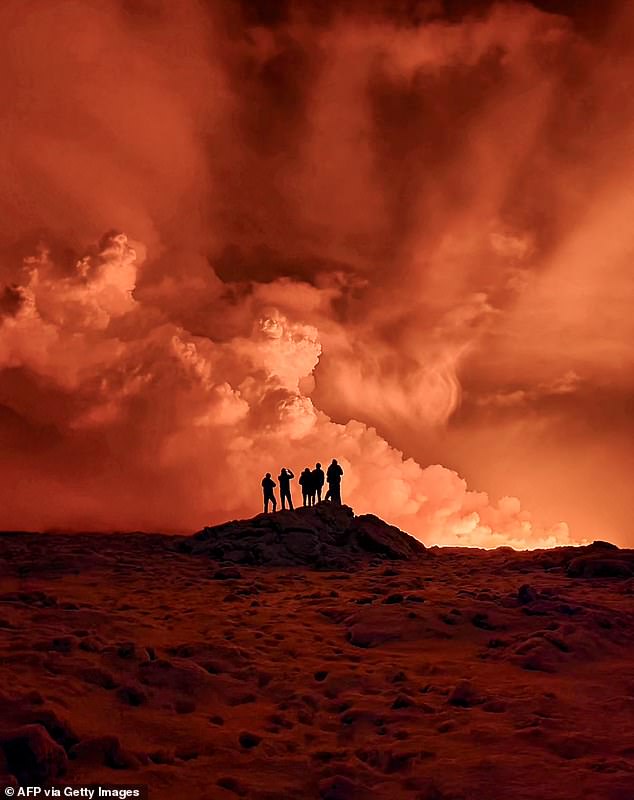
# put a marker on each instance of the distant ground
(452, 674)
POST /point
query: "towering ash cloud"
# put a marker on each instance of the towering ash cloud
(151, 425)
(399, 239)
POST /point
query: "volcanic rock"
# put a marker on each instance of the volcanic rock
(526, 594)
(249, 740)
(31, 755)
(599, 544)
(307, 684)
(601, 567)
(105, 750)
(326, 536)
(464, 694)
(339, 787)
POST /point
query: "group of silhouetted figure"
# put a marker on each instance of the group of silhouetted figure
(312, 482)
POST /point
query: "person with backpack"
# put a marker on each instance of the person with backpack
(333, 476)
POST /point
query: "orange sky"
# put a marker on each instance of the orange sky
(236, 236)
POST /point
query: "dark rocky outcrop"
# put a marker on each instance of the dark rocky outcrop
(526, 594)
(599, 545)
(598, 566)
(32, 755)
(465, 695)
(326, 536)
(599, 560)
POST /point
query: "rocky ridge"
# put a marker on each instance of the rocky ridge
(326, 536)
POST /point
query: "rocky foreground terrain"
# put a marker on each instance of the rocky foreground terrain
(316, 655)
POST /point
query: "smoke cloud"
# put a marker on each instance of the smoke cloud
(394, 235)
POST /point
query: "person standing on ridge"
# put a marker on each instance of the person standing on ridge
(306, 481)
(333, 476)
(268, 484)
(318, 480)
(285, 477)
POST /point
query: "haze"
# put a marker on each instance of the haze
(237, 236)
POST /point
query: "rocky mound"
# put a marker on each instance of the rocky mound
(597, 560)
(596, 566)
(326, 536)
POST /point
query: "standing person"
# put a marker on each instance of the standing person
(268, 484)
(305, 481)
(285, 477)
(318, 479)
(333, 476)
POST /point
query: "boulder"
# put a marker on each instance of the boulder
(32, 755)
(464, 695)
(592, 566)
(526, 594)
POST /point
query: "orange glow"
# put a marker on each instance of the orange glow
(394, 241)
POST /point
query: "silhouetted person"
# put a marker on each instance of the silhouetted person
(285, 477)
(333, 476)
(306, 482)
(318, 480)
(267, 488)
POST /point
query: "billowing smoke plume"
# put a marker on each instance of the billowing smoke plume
(180, 427)
(392, 239)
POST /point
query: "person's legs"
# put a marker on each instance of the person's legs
(319, 494)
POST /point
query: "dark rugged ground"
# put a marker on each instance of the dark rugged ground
(446, 674)
(324, 537)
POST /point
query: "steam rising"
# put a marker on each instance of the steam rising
(383, 239)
